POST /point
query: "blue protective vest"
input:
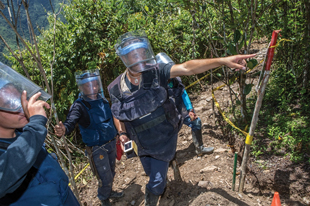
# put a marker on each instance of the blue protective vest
(101, 128)
(45, 184)
(151, 116)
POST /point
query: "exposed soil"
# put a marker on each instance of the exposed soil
(198, 187)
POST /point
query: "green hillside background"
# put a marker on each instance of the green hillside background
(38, 10)
(185, 30)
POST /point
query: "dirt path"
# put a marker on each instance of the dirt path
(207, 180)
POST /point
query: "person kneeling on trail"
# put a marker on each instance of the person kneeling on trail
(93, 114)
(29, 175)
(142, 103)
(191, 119)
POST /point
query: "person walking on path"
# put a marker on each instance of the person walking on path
(148, 114)
(91, 111)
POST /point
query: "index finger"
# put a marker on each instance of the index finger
(246, 56)
(24, 103)
(24, 98)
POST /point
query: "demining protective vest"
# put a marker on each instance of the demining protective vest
(45, 183)
(151, 115)
(101, 128)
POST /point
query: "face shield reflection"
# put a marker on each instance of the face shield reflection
(162, 57)
(90, 89)
(135, 51)
(89, 83)
(12, 84)
(10, 99)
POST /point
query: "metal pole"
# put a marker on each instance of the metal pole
(258, 105)
(234, 175)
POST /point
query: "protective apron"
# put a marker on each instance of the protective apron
(101, 128)
(151, 116)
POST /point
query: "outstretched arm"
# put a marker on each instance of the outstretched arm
(76, 113)
(198, 66)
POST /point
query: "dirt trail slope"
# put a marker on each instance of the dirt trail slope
(207, 180)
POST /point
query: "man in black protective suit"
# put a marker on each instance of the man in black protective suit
(147, 111)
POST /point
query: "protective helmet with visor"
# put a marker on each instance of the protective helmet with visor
(89, 83)
(135, 51)
(162, 57)
(12, 84)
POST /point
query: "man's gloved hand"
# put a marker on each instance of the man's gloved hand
(60, 129)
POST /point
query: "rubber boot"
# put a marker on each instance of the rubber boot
(197, 140)
(150, 198)
(115, 194)
(105, 202)
(176, 171)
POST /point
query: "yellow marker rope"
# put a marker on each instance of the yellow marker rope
(248, 139)
(80, 172)
(282, 40)
(195, 82)
(223, 113)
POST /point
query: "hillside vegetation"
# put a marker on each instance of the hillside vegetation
(85, 38)
(38, 14)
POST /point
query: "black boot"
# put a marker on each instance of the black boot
(176, 170)
(197, 140)
(105, 202)
(150, 198)
(115, 194)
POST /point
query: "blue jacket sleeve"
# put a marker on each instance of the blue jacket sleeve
(20, 156)
(77, 114)
(187, 101)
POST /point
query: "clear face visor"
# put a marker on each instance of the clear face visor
(162, 57)
(89, 83)
(135, 51)
(10, 99)
(12, 84)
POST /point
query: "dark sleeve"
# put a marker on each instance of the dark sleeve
(20, 156)
(164, 73)
(77, 114)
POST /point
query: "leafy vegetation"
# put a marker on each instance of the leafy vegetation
(38, 13)
(85, 39)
